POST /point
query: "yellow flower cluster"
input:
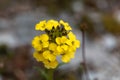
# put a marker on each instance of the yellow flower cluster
(42, 25)
(57, 41)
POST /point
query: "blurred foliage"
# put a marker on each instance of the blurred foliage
(110, 24)
(5, 55)
(54, 6)
(5, 51)
(71, 75)
(4, 4)
(14, 62)
(90, 4)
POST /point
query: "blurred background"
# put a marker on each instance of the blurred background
(17, 23)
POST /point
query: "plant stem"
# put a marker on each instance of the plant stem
(84, 55)
(50, 74)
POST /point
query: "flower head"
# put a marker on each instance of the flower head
(58, 40)
(41, 25)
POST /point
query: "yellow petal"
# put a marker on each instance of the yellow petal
(65, 59)
(52, 46)
(59, 49)
(36, 43)
(72, 48)
(52, 64)
(64, 47)
(52, 57)
(68, 42)
(76, 43)
(40, 26)
(50, 24)
(58, 40)
(49, 56)
(66, 25)
(63, 39)
(45, 44)
(46, 54)
(54, 23)
(71, 36)
(71, 54)
(38, 56)
(56, 53)
(44, 37)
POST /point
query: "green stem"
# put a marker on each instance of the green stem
(50, 74)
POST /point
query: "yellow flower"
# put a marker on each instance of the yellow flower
(60, 49)
(65, 59)
(68, 42)
(55, 23)
(44, 37)
(40, 42)
(71, 54)
(64, 47)
(49, 26)
(47, 55)
(71, 36)
(61, 40)
(38, 56)
(52, 64)
(56, 53)
(76, 43)
(71, 48)
(66, 25)
(58, 40)
(36, 43)
(45, 44)
(52, 46)
(41, 25)
(51, 23)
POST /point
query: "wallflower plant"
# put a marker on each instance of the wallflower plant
(58, 40)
